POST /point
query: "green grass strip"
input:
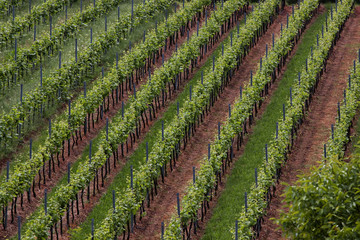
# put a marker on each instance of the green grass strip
(242, 175)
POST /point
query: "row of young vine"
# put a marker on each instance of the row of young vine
(27, 57)
(10, 30)
(47, 43)
(23, 175)
(143, 182)
(258, 199)
(59, 82)
(221, 151)
(108, 146)
(340, 136)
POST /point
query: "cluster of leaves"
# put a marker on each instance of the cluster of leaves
(5, 4)
(279, 146)
(326, 203)
(62, 79)
(9, 31)
(57, 204)
(206, 177)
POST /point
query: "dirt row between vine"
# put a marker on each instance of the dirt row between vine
(164, 204)
(77, 151)
(313, 133)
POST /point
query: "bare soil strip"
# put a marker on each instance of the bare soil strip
(308, 148)
(164, 204)
(27, 209)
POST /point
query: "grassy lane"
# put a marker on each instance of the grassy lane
(13, 95)
(138, 157)
(242, 176)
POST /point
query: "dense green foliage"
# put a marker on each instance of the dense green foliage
(326, 204)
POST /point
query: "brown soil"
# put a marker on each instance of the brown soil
(164, 204)
(77, 151)
(314, 132)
